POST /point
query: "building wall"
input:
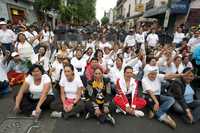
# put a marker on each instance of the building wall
(194, 13)
(158, 3)
(195, 4)
(132, 4)
(4, 10)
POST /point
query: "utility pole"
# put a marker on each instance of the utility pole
(167, 14)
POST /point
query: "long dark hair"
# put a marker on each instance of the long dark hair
(34, 66)
(97, 51)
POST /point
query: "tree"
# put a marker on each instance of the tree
(104, 20)
(42, 5)
(75, 10)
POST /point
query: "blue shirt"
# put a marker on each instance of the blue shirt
(189, 93)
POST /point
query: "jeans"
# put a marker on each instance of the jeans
(7, 46)
(165, 104)
(194, 107)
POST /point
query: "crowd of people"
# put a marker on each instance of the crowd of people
(134, 76)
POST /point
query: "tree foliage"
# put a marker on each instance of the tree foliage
(104, 20)
(76, 10)
(41, 5)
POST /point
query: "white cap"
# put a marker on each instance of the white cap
(3, 23)
(14, 54)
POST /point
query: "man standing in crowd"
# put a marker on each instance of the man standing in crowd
(7, 37)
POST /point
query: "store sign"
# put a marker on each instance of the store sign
(150, 4)
(180, 7)
(139, 7)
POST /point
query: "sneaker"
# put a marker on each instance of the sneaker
(110, 119)
(35, 114)
(169, 121)
(138, 113)
(56, 114)
(119, 110)
(87, 116)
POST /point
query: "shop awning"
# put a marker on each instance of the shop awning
(155, 11)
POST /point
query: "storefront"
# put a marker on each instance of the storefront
(178, 13)
(15, 11)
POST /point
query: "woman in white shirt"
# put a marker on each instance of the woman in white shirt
(127, 98)
(33, 37)
(176, 66)
(41, 59)
(71, 88)
(47, 38)
(47, 35)
(23, 47)
(35, 94)
(79, 62)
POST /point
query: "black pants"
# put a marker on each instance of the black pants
(90, 108)
(194, 106)
(28, 104)
(7, 46)
(78, 108)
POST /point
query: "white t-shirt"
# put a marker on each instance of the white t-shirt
(44, 61)
(47, 35)
(79, 65)
(178, 37)
(115, 73)
(154, 86)
(25, 50)
(173, 69)
(140, 38)
(30, 36)
(193, 43)
(7, 36)
(72, 87)
(130, 40)
(36, 90)
(103, 45)
(56, 74)
(152, 39)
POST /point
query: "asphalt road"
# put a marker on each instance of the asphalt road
(124, 124)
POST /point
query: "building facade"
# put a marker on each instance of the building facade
(158, 8)
(193, 17)
(128, 11)
(16, 10)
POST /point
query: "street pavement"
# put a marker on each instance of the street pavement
(124, 124)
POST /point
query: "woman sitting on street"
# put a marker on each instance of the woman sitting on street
(35, 94)
(127, 98)
(71, 88)
(100, 97)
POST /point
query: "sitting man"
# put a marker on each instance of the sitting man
(185, 95)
